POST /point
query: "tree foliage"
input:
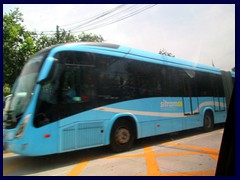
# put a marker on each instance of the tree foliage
(19, 43)
(63, 36)
(164, 52)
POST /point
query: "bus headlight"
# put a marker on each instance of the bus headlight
(22, 126)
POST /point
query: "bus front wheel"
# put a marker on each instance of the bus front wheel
(122, 136)
(208, 122)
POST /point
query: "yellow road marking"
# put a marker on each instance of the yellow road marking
(126, 156)
(194, 173)
(150, 158)
(198, 148)
(151, 162)
(177, 153)
(14, 166)
(78, 169)
(214, 156)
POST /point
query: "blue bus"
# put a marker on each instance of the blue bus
(81, 95)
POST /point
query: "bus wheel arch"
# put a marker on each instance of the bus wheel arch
(208, 120)
(123, 133)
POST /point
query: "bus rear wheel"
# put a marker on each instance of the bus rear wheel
(208, 122)
(122, 136)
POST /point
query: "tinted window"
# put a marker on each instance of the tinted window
(85, 81)
(176, 82)
(205, 82)
(219, 90)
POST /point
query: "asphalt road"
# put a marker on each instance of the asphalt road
(187, 153)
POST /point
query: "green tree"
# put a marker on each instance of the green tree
(89, 37)
(63, 36)
(18, 45)
(164, 52)
(6, 90)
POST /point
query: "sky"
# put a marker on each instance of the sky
(201, 33)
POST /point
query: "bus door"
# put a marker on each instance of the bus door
(216, 103)
(222, 103)
(218, 99)
(190, 106)
(190, 101)
(219, 104)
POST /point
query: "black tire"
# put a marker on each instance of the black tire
(208, 122)
(122, 136)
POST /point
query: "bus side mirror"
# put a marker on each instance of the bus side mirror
(53, 72)
(6, 100)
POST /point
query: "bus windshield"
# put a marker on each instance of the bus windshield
(23, 91)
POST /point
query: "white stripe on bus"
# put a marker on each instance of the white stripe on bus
(159, 114)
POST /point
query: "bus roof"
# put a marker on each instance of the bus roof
(127, 52)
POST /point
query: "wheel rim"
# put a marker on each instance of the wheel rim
(122, 136)
(207, 122)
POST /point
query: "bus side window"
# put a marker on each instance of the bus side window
(176, 82)
(205, 84)
(68, 90)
